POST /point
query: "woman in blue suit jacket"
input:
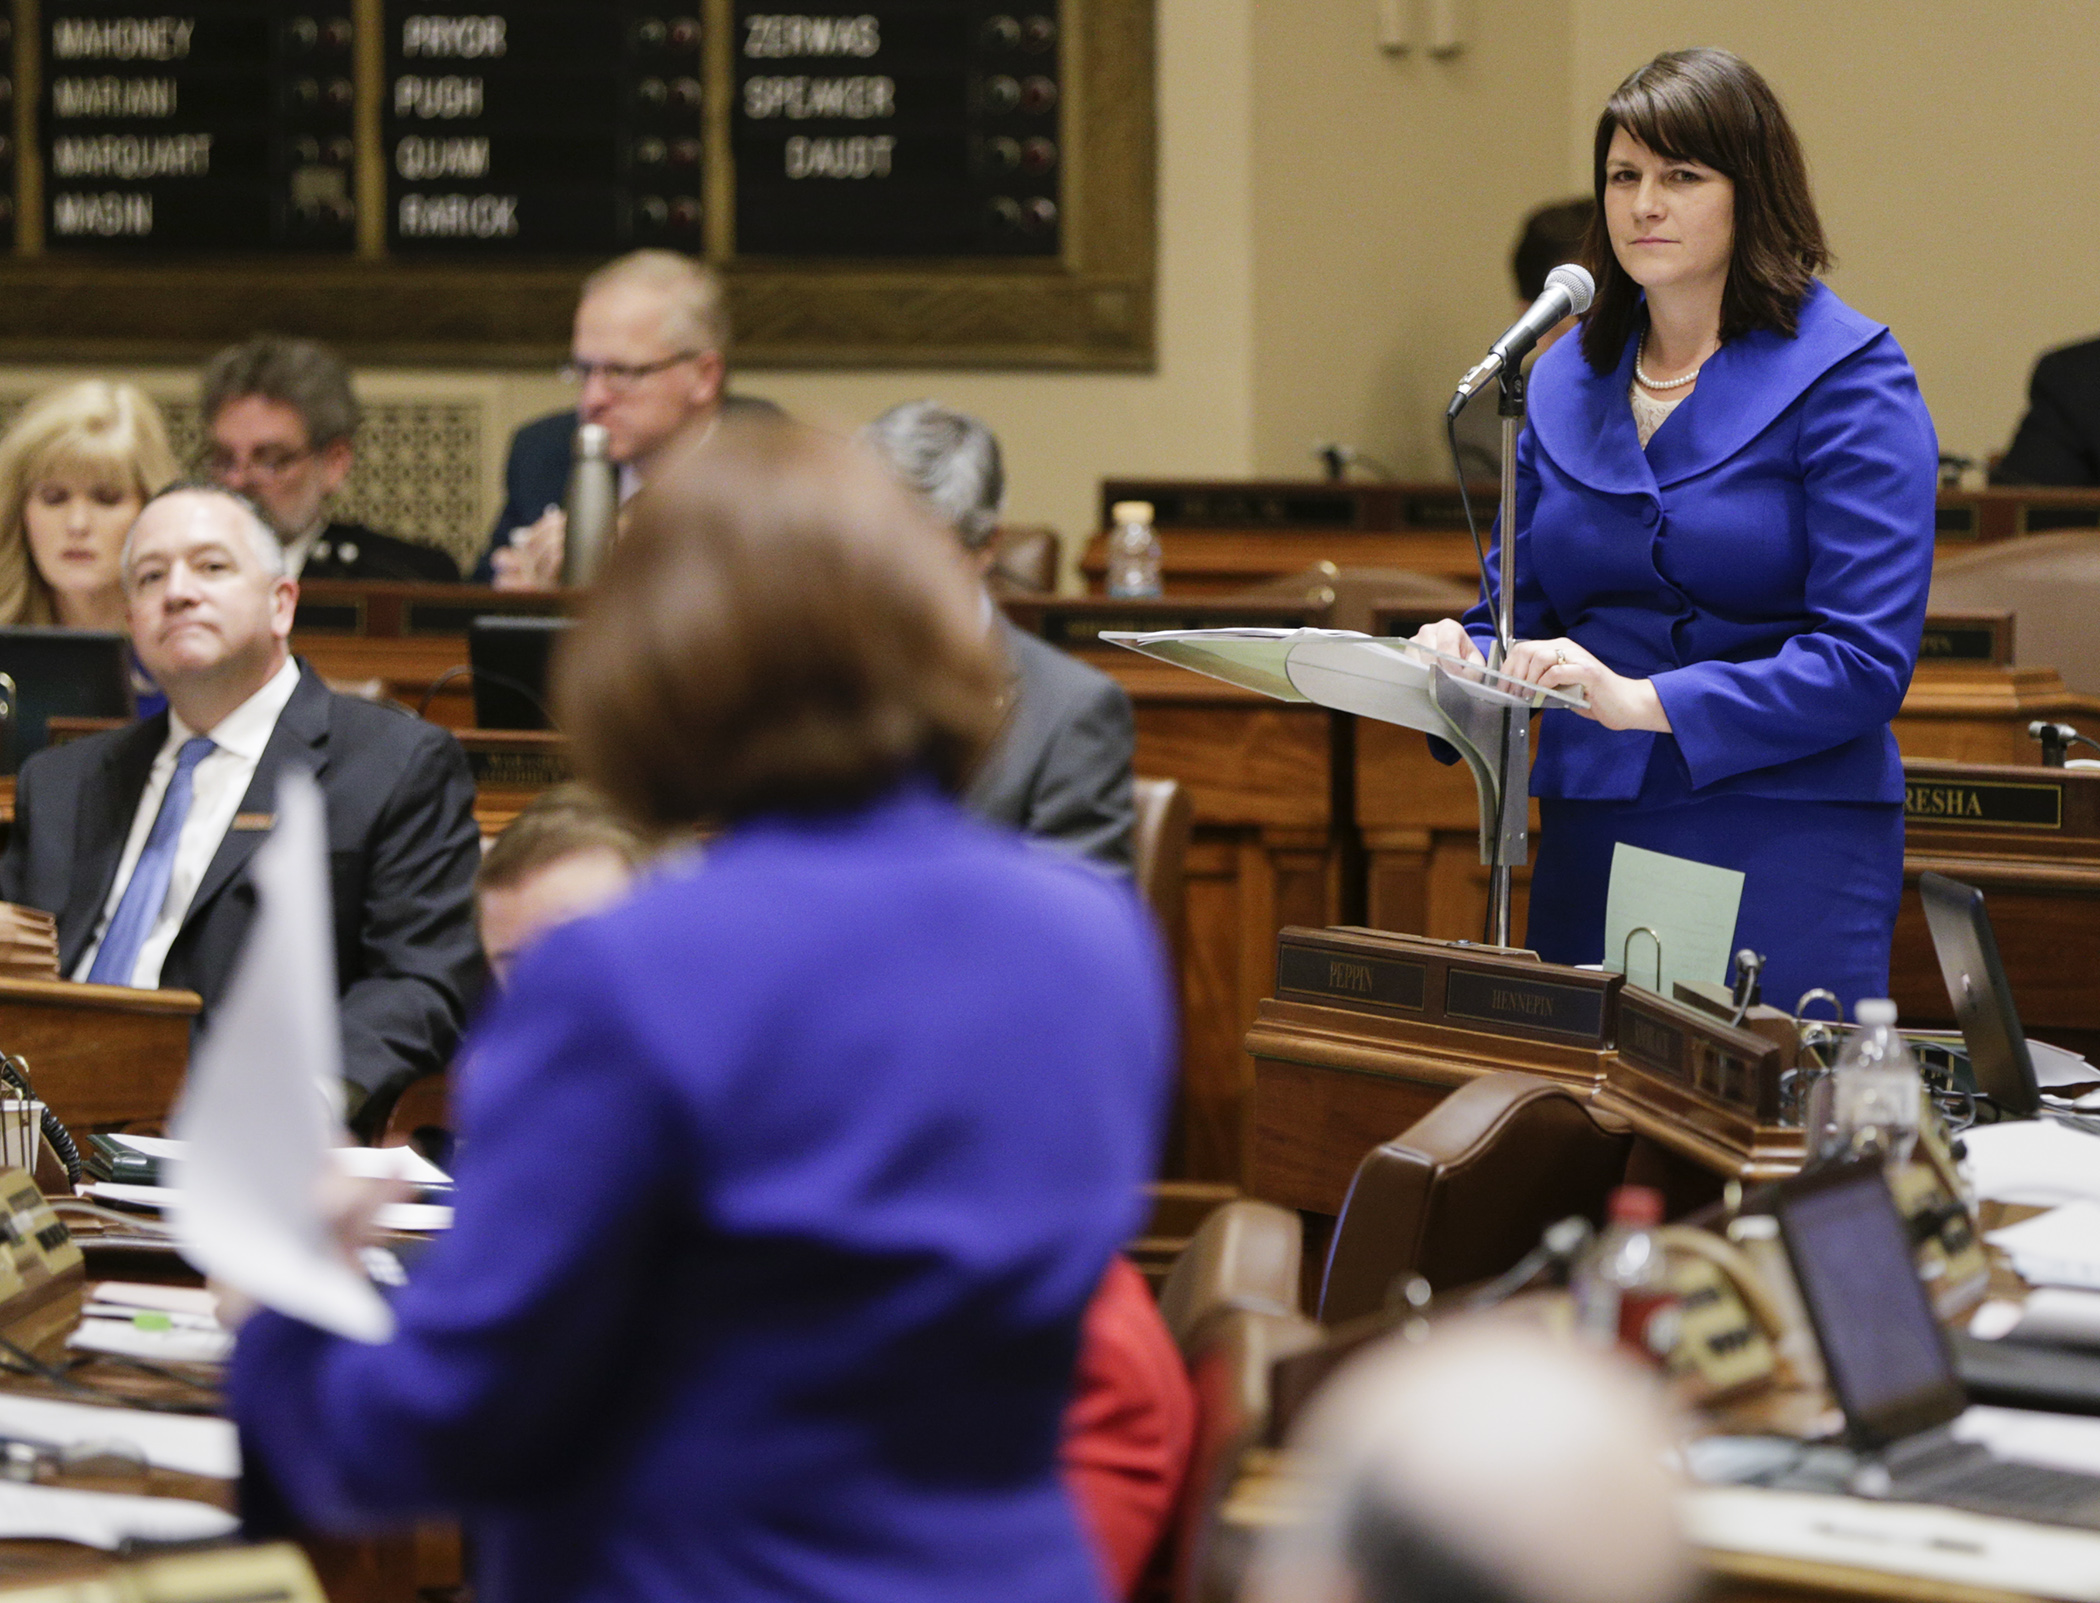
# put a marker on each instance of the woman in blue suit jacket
(783, 1186)
(1725, 523)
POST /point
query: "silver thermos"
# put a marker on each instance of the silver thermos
(594, 502)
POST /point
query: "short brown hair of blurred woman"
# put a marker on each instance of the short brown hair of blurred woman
(1712, 107)
(782, 628)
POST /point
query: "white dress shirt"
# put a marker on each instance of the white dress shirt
(220, 782)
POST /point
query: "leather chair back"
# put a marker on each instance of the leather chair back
(1230, 1361)
(1159, 852)
(1025, 561)
(1247, 1254)
(1468, 1190)
(2050, 583)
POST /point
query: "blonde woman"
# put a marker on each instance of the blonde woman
(75, 469)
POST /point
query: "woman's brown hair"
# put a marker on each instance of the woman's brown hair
(781, 628)
(1712, 107)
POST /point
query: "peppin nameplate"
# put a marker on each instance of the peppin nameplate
(1358, 978)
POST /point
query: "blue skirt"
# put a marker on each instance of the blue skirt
(1820, 887)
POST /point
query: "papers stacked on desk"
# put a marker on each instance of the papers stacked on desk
(2038, 1162)
(108, 1520)
(2057, 1248)
(1939, 1544)
(363, 1163)
(164, 1324)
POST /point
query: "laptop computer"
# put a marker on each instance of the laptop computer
(1983, 1001)
(510, 658)
(58, 673)
(1888, 1361)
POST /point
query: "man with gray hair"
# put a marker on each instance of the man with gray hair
(280, 421)
(138, 840)
(1060, 770)
(1491, 1463)
(648, 359)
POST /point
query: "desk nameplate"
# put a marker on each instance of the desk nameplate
(1948, 801)
(1728, 1067)
(1500, 991)
(1979, 639)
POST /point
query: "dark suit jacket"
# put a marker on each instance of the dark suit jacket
(1060, 769)
(352, 551)
(2059, 438)
(402, 850)
(536, 473)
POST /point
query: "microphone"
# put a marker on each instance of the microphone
(1569, 290)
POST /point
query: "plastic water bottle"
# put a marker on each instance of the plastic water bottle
(1874, 1093)
(1133, 551)
(1622, 1288)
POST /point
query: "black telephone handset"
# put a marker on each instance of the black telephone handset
(16, 1073)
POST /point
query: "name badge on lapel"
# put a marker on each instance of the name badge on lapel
(254, 821)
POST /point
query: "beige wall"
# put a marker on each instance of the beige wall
(1387, 193)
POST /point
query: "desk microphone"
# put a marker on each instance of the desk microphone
(1569, 291)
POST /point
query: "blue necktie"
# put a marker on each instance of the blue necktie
(148, 890)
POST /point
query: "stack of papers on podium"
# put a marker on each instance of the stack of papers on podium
(1385, 678)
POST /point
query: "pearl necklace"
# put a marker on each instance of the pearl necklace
(1658, 383)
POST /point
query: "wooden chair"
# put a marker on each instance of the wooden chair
(1246, 1254)
(2050, 583)
(1159, 850)
(424, 1105)
(1231, 1362)
(1025, 561)
(1467, 1190)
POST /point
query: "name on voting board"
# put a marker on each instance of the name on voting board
(227, 126)
(543, 127)
(922, 129)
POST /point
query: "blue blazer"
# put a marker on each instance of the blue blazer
(1764, 561)
(781, 1191)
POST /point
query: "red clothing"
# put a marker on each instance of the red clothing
(1130, 1427)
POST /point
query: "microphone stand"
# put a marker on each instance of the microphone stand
(1514, 766)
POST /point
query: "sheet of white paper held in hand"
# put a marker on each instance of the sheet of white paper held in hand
(258, 1113)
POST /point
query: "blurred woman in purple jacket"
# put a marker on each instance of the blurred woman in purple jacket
(784, 1184)
(1724, 535)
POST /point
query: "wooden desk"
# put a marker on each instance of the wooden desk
(101, 1056)
(1272, 846)
(1337, 1074)
(2029, 839)
(1218, 536)
(1420, 823)
(407, 636)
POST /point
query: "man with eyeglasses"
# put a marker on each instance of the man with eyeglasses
(647, 364)
(280, 424)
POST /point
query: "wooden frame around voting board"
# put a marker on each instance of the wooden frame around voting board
(1088, 305)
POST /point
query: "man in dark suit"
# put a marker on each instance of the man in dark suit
(2059, 439)
(138, 840)
(1060, 770)
(647, 360)
(282, 424)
